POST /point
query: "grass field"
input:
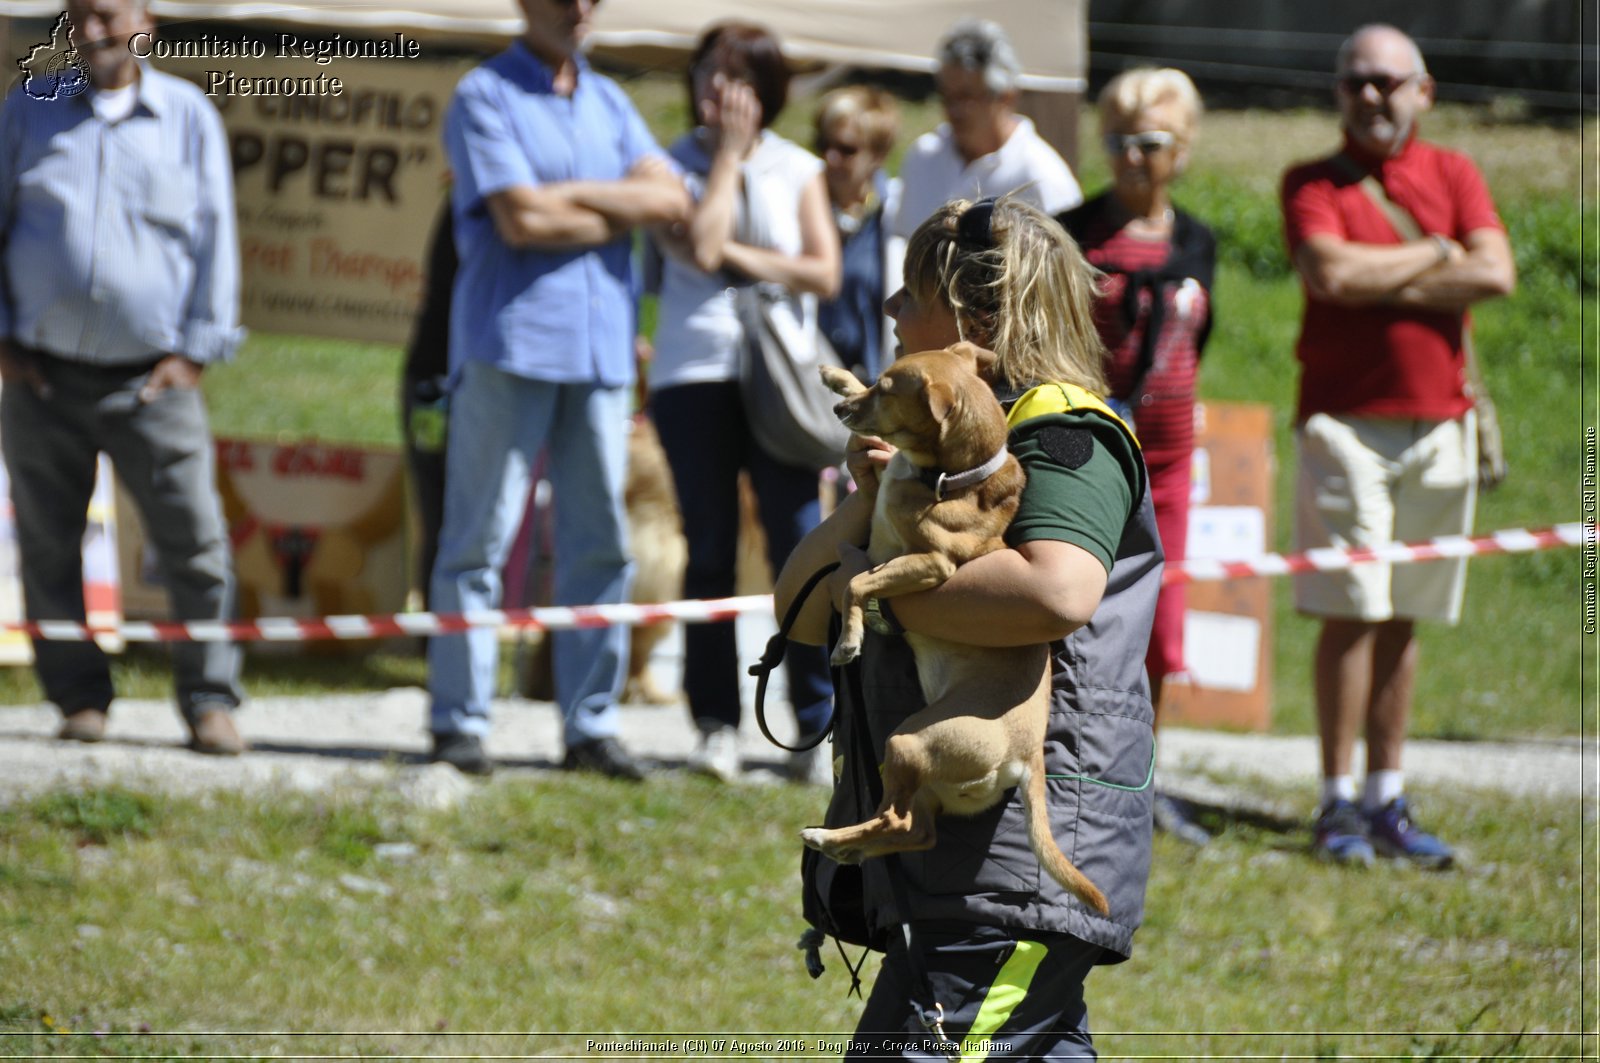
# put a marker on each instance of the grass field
(353, 924)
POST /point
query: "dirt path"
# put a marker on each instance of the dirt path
(379, 739)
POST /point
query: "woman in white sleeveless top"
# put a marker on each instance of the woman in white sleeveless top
(762, 215)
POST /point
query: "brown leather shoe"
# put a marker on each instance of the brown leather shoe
(85, 725)
(215, 734)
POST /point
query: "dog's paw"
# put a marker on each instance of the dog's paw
(840, 381)
(815, 838)
(846, 651)
(820, 839)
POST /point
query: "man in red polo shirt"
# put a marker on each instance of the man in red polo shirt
(1386, 438)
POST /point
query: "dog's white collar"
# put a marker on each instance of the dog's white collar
(945, 482)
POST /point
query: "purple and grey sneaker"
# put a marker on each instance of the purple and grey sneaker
(1341, 835)
(1394, 834)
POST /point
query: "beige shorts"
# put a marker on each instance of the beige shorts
(1368, 481)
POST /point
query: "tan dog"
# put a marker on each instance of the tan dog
(983, 729)
(655, 537)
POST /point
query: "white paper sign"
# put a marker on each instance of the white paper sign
(1220, 650)
(1227, 533)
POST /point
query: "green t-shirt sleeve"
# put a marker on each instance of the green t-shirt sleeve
(1084, 476)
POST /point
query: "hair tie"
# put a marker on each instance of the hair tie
(976, 224)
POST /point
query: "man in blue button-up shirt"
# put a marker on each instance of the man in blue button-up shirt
(553, 169)
(119, 283)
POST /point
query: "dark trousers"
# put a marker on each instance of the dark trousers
(426, 465)
(1007, 995)
(164, 456)
(707, 439)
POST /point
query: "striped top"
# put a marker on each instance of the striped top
(1163, 410)
(118, 242)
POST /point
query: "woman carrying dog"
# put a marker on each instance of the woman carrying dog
(1155, 317)
(761, 214)
(984, 951)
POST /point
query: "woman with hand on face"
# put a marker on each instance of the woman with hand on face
(855, 129)
(1154, 315)
(761, 215)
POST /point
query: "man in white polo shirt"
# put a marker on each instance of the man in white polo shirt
(985, 148)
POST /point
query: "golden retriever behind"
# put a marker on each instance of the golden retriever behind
(656, 540)
(655, 537)
(983, 729)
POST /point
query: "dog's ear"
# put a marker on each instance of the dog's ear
(979, 359)
(941, 397)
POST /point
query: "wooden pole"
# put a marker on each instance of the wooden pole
(1055, 114)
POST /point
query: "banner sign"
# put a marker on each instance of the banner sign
(338, 173)
(317, 529)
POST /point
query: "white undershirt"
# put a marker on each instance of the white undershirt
(113, 105)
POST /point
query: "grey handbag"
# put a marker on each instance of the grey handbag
(789, 408)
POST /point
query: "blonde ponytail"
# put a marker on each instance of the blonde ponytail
(1025, 293)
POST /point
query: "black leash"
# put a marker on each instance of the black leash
(772, 656)
(930, 1015)
(859, 759)
(811, 944)
(932, 1018)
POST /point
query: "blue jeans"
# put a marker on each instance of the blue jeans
(707, 440)
(499, 422)
(164, 456)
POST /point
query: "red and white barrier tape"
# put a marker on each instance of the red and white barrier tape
(559, 618)
(295, 629)
(1332, 559)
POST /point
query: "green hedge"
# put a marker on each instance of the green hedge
(1546, 234)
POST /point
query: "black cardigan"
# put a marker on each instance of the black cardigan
(1194, 254)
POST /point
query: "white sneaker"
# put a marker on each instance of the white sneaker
(812, 767)
(717, 755)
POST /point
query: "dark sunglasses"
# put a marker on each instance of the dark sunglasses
(975, 226)
(1142, 144)
(1386, 84)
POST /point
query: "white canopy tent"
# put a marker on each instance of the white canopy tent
(896, 34)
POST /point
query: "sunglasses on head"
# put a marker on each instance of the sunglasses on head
(975, 225)
(1141, 143)
(1386, 84)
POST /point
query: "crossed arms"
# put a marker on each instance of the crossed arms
(568, 214)
(1434, 273)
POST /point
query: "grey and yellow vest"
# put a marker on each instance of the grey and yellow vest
(1099, 755)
